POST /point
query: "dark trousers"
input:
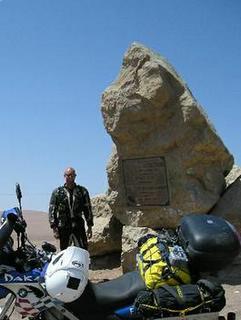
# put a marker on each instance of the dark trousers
(73, 235)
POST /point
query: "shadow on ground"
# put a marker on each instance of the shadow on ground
(232, 274)
(109, 261)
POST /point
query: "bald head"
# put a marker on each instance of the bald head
(69, 175)
(69, 171)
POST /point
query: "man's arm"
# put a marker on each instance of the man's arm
(53, 210)
(87, 207)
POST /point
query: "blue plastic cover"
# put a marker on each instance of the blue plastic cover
(3, 292)
(14, 210)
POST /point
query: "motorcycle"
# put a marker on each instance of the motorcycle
(43, 284)
(38, 283)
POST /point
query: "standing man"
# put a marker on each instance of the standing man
(67, 206)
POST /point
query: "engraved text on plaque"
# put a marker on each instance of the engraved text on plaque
(145, 182)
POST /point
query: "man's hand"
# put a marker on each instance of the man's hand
(89, 232)
(56, 233)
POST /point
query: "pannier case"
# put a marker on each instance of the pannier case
(211, 243)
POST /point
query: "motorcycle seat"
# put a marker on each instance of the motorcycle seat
(109, 295)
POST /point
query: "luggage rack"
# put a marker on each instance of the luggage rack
(202, 316)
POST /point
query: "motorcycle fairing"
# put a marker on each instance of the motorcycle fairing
(19, 277)
(6, 230)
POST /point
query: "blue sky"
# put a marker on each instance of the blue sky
(58, 56)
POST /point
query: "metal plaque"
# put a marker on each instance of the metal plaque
(145, 181)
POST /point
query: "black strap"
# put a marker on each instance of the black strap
(167, 271)
(160, 247)
(208, 285)
(176, 277)
(149, 264)
(148, 248)
(172, 290)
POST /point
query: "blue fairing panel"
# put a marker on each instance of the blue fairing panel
(3, 292)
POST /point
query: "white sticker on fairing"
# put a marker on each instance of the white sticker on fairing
(24, 278)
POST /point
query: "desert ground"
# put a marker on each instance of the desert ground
(38, 230)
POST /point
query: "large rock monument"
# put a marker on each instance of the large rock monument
(167, 159)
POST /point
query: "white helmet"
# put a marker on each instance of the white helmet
(67, 274)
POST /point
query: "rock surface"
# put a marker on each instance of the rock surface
(229, 205)
(107, 229)
(150, 113)
(233, 175)
(130, 237)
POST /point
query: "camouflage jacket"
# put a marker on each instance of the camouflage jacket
(66, 206)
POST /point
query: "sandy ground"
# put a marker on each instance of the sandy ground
(38, 231)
